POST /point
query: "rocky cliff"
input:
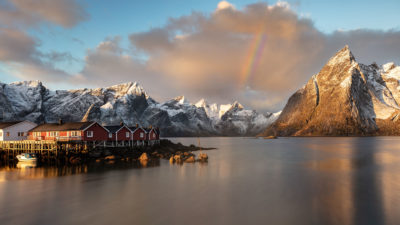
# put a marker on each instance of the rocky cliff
(345, 98)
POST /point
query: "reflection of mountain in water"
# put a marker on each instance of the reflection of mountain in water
(353, 196)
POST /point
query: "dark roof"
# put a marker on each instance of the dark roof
(147, 129)
(8, 124)
(112, 129)
(62, 127)
(134, 128)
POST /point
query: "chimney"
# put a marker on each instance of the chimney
(60, 121)
(121, 124)
(150, 126)
(137, 125)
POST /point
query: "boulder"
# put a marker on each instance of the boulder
(177, 157)
(191, 159)
(110, 157)
(144, 157)
(203, 157)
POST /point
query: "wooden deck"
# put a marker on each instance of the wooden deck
(64, 146)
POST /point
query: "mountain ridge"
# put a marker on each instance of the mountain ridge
(128, 103)
(345, 98)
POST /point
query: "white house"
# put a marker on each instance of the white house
(15, 131)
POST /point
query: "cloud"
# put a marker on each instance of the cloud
(17, 13)
(210, 58)
(19, 51)
(224, 5)
(109, 64)
(16, 46)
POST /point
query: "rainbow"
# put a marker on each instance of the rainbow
(253, 57)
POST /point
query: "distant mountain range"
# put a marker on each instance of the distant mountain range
(128, 103)
(345, 98)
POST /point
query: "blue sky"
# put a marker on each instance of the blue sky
(80, 39)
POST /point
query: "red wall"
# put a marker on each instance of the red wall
(150, 135)
(99, 133)
(112, 138)
(136, 134)
(121, 135)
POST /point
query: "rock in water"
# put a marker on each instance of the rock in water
(203, 157)
(177, 158)
(191, 159)
(144, 157)
(110, 157)
(344, 98)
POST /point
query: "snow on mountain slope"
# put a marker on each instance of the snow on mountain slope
(128, 103)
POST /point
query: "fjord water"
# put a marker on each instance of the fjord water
(246, 181)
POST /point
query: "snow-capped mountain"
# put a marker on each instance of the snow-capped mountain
(344, 98)
(128, 103)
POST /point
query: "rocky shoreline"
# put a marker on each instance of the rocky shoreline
(174, 152)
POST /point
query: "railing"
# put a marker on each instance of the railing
(45, 138)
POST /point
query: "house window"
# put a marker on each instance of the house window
(89, 133)
(75, 133)
(20, 134)
(109, 135)
(53, 134)
(141, 134)
(154, 135)
(8, 134)
(127, 134)
(1, 134)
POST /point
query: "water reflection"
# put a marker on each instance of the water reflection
(302, 181)
(27, 165)
(11, 170)
(366, 190)
(354, 196)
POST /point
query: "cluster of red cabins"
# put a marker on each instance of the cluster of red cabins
(94, 132)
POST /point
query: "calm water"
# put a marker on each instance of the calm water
(247, 181)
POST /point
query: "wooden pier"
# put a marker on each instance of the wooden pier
(52, 149)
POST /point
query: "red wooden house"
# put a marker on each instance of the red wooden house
(119, 133)
(138, 135)
(70, 131)
(152, 136)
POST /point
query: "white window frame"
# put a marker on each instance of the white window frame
(89, 133)
(141, 135)
(74, 133)
(1, 134)
(154, 135)
(109, 135)
(128, 134)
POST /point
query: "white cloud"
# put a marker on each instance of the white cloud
(224, 5)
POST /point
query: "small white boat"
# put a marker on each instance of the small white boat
(27, 157)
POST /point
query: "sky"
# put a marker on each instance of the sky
(255, 52)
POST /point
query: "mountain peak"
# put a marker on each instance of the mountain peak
(30, 83)
(236, 104)
(201, 103)
(181, 99)
(344, 55)
(129, 88)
